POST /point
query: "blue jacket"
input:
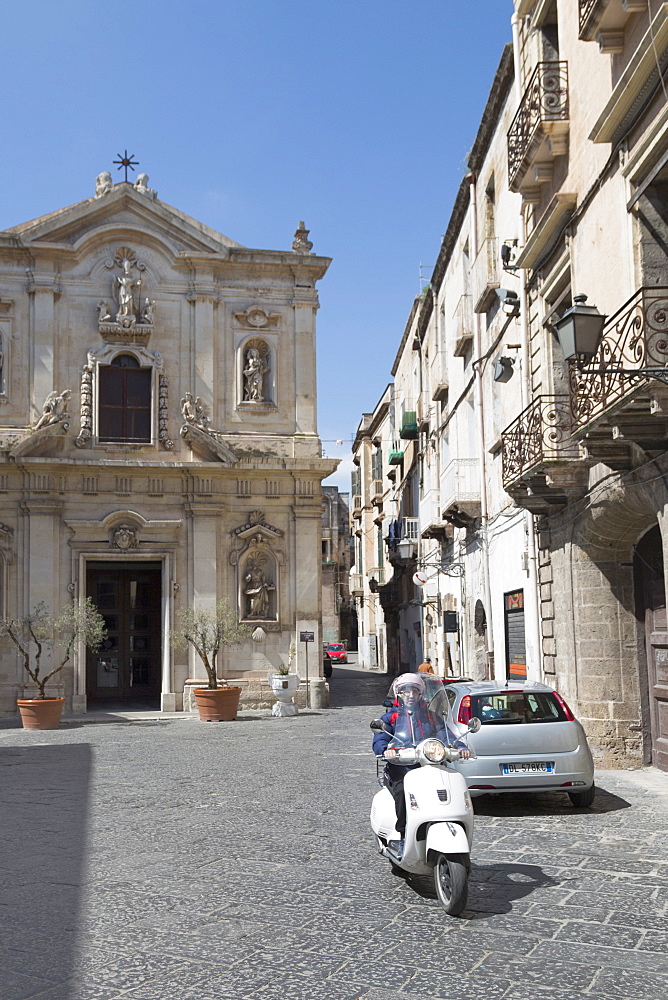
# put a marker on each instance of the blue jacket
(425, 724)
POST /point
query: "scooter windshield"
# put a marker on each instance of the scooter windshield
(439, 705)
(414, 725)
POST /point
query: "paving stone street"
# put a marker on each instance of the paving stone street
(166, 858)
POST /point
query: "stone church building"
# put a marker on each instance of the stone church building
(158, 439)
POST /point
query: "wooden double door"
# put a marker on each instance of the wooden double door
(651, 606)
(127, 668)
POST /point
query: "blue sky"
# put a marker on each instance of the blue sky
(354, 115)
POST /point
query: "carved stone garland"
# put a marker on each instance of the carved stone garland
(163, 413)
(86, 395)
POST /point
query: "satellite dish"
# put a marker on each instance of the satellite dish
(419, 579)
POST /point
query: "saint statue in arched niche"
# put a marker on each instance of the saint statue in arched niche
(258, 588)
(255, 370)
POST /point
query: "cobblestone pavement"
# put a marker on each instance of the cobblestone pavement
(162, 859)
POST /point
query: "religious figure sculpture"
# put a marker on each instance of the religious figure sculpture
(141, 184)
(54, 409)
(254, 373)
(103, 309)
(202, 418)
(103, 184)
(125, 286)
(257, 590)
(188, 409)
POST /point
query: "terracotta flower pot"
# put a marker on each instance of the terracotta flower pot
(217, 704)
(40, 713)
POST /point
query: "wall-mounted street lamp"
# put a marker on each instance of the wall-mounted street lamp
(580, 331)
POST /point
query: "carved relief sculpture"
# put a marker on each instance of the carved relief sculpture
(254, 371)
(86, 396)
(103, 184)
(132, 319)
(124, 536)
(301, 243)
(163, 411)
(54, 409)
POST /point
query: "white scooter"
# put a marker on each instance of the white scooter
(439, 817)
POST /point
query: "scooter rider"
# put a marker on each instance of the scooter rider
(412, 721)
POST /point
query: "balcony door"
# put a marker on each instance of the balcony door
(127, 668)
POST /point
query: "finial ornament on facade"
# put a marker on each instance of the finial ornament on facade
(302, 243)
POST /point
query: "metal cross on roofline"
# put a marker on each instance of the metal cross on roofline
(126, 161)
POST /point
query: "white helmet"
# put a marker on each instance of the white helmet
(408, 680)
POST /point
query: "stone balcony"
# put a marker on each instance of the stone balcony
(432, 524)
(463, 317)
(541, 464)
(613, 409)
(460, 491)
(539, 131)
(604, 21)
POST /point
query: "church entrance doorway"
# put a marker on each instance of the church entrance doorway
(651, 610)
(127, 669)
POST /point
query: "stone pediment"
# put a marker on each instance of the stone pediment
(122, 208)
(256, 526)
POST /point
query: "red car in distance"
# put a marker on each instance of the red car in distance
(336, 652)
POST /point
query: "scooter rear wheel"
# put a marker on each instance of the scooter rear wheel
(452, 884)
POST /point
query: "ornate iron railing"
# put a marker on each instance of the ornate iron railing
(586, 7)
(541, 433)
(544, 100)
(636, 337)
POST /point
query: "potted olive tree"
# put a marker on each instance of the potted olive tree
(208, 630)
(39, 630)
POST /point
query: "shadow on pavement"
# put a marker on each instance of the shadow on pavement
(544, 804)
(494, 888)
(357, 687)
(44, 803)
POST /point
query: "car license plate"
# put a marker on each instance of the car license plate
(529, 767)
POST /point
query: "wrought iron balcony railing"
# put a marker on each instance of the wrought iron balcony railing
(604, 20)
(541, 433)
(635, 338)
(541, 116)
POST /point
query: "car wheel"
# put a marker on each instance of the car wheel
(582, 800)
(452, 884)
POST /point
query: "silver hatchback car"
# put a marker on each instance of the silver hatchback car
(529, 740)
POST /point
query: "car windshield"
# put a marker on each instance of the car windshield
(516, 707)
(336, 646)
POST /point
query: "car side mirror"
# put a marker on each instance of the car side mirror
(376, 725)
(474, 724)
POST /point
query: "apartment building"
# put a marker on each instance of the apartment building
(536, 469)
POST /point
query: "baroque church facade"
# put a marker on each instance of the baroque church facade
(158, 440)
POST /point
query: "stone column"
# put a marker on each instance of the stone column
(305, 305)
(202, 584)
(41, 569)
(204, 297)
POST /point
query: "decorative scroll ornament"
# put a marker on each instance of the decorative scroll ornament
(124, 537)
(257, 318)
(541, 433)
(301, 243)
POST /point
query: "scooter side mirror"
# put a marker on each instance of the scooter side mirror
(376, 725)
(474, 724)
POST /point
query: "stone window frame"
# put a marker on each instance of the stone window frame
(90, 381)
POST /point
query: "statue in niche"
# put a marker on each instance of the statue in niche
(148, 313)
(254, 372)
(125, 286)
(103, 184)
(257, 590)
(54, 409)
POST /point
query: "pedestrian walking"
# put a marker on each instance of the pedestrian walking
(425, 667)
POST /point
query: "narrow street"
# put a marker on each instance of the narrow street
(165, 858)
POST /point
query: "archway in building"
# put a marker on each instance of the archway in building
(650, 594)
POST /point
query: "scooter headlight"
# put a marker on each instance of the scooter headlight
(434, 751)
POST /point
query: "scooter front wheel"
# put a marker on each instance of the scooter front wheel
(452, 883)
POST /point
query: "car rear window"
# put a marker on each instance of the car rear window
(516, 707)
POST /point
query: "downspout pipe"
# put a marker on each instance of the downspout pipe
(525, 393)
(480, 434)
